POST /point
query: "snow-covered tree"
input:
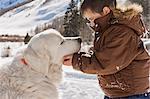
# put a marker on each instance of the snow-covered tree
(72, 20)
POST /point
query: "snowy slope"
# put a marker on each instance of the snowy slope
(23, 19)
(8, 3)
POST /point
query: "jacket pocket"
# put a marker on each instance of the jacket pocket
(115, 82)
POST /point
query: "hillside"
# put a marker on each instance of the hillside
(27, 16)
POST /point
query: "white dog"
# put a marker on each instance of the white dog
(36, 71)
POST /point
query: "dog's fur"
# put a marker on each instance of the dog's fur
(38, 76)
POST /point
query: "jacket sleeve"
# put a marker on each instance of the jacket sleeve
(86, 63)
(117, 53)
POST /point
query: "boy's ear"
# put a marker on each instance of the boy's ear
(106, 10)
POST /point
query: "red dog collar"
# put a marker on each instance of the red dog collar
(24, 61)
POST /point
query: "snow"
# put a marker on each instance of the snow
(25, 18)
(13, 47)
(9, 3)
(77, 85)
(121, 2)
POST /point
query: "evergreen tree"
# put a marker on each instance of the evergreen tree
(10, 2)
(27, 38)
(72, 20)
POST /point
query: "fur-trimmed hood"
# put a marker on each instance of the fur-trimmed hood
(130, 16)
(127, 12)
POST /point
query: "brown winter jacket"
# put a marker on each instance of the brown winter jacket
(118, 57)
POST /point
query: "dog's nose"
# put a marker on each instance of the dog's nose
(79, 40)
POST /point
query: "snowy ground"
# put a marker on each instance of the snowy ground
(13, 47)
(76, 85)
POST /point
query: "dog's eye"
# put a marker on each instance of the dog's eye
(62, 42)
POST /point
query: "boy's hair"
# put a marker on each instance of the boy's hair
(97, 5)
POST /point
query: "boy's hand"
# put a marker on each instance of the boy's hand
(67, 60)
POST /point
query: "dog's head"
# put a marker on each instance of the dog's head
(49, 47)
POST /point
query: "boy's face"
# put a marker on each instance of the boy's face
(91, 16)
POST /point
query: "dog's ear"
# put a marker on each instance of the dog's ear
(38, 56)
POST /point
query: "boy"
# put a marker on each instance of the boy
(119, 57)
